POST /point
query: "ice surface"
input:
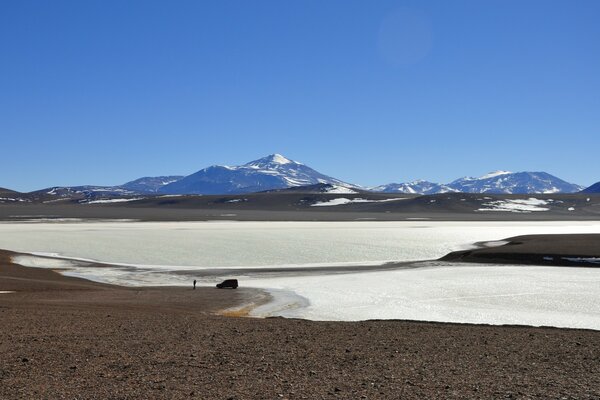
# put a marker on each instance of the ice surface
(563, 297)
(233, 243)
(42, 262)
(155, 253)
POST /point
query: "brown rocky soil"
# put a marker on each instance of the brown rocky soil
(64, 338)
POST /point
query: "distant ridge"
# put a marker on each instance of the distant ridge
(150, 184)
(498, 182)
(7, 191)
(276, 172)
(414, 187)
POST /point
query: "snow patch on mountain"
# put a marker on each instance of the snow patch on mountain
(494, 174)
(108, 201)
(516, 205)
(342, 200)
(339, 190)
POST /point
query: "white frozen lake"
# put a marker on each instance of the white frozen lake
(567, 297)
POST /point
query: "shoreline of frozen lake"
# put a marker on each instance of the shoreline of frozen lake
(447, 293)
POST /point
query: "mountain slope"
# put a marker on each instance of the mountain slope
(414, 187)
(514, 183)
(595, 188)
(150, 184)
(5, 191)
(268, 173)
(498, 182)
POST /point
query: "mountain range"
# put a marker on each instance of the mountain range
(498, 182)
(276, 172)
(268, 173)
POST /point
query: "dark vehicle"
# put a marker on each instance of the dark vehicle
(228, 283)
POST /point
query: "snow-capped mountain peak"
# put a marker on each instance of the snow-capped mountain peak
(415, 187)
(268, 173)
(273, 161)
(514, 183)
(494, 174)
(494, 182)
(279, 159)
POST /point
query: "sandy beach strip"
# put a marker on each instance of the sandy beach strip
(66, 337)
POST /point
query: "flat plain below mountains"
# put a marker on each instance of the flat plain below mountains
(306, 205)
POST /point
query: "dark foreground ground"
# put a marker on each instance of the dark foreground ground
(69, 338)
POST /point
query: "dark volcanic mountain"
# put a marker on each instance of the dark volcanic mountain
(499, 182)
(5, 191)
(595, 188)
(268, 173)
(150, 184)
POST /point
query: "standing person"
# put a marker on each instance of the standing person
(194, 284)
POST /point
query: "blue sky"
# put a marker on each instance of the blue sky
(371, 92)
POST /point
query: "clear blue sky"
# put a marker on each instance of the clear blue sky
(371, 92)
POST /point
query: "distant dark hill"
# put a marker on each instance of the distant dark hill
(595, 188)
(5, 191)
(8, 196)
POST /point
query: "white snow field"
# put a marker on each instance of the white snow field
(154, 251)
(107, 201)
(342, 200)
(518, 205)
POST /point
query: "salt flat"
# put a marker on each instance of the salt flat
(156, 253)
(229, 244)
(524, 295)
